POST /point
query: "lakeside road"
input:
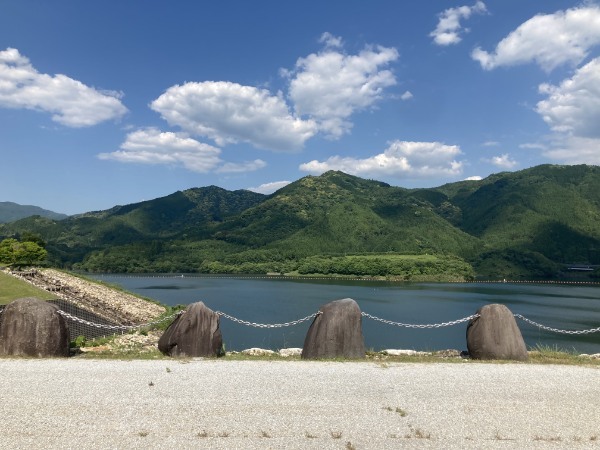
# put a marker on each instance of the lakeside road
(86, 403)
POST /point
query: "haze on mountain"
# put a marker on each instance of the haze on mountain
(9, 212)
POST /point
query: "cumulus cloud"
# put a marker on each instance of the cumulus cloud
(572, 110)
(401, 158)
(533, 146)
(331, 41)
(248, 166)
(491, 144)
(550, 40)
(449, 29)
(325, 89)
(504, 161)
(151, 146)
(70, 102)
(406, 96)
(330, 86)
(229, 113)
(574, 106)
(269, 188)
(473, 178)
(574, 150)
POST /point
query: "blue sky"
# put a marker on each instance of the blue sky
(115, 102)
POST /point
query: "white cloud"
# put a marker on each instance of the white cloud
(574, 150)
(229, 113)
(550, 40)
(491, 144)
(70, 102)
(448, 29)
(572, 110)
(401, 158)
(248, 166)
(269, 188)
(406, 96)
(533, 146)
(473, 178)
(325, 89)
(504, 161)
(151, 146)
(331, 41)
(574, 106)
(330, 86)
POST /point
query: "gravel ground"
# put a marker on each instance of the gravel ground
(295, 404)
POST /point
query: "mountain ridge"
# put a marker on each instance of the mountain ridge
(527, 223)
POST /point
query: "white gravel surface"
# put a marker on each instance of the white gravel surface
(80, 403)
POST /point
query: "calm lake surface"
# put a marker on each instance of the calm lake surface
(280, 300)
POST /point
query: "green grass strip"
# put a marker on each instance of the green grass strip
(12, 288)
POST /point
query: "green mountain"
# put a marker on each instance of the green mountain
(10, 212)
(531, 223)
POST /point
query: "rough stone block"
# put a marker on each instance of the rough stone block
(495, 335)
(336, 332)
(194, 333)
(32, 327)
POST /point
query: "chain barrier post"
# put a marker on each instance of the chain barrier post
(312, 316)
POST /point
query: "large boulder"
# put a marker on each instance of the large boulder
(194, 333)
(32, 327)
(495, 335)
(336, 332)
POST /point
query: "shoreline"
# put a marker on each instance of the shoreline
(97, 297)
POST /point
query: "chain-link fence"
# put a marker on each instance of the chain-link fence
(78, 328)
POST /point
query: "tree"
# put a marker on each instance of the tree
(15, 253)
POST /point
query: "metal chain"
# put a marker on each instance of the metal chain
(268, 325)
(116, 327)
(429, 325)
(296, 322)
(556, 330)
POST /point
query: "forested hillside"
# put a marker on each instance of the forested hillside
(531, 223)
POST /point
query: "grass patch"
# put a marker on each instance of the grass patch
(545, 354)
(12, 288)
(547, 438)
(417, 433)
(400, 411)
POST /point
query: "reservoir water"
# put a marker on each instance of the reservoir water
(280, 300)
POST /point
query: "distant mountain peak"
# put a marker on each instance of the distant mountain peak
(11, 212)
